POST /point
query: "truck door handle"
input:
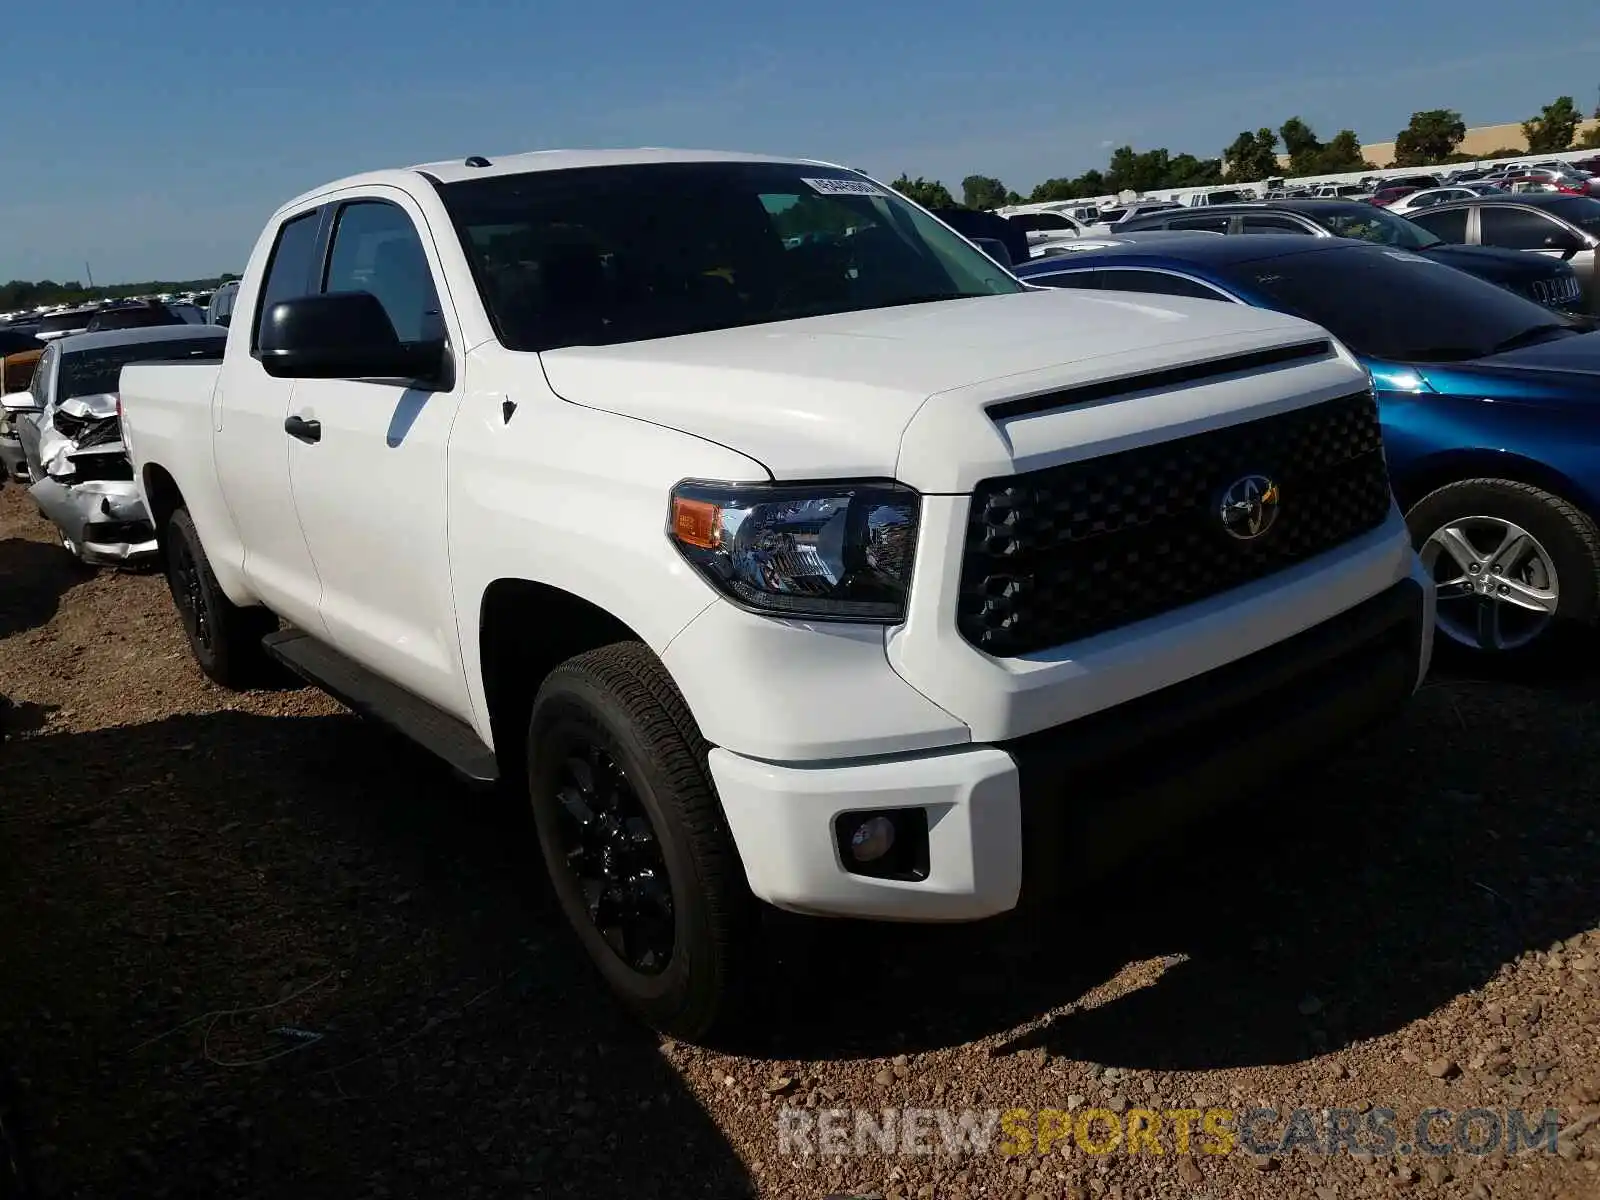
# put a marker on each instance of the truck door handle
(306, 431)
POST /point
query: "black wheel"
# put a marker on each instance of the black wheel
(1517, 569)
(638, 851)
(225, 638)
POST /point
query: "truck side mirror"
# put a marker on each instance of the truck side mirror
(15, 402)
(344, 335)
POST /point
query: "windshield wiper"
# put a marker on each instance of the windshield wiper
(1530, 336)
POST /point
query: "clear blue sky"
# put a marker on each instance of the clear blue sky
(152, 137)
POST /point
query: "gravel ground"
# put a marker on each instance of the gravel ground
(251, 946)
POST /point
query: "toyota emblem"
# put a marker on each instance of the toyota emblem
(1249, 507)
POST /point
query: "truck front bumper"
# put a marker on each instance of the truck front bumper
(1017, 821)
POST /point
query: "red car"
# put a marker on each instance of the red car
(1544, 181)
(1384, 197)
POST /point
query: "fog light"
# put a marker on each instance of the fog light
(872, 839)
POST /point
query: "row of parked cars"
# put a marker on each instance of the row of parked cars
(784, 545)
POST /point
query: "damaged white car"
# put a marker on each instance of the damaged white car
(70, 427)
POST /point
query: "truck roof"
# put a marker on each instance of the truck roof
(456, 169)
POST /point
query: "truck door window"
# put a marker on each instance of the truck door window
(291, 271)
(376, 249)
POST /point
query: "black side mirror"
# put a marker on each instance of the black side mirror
(995, 249)
(343, 335)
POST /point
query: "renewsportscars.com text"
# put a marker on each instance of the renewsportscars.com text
(839, 1132)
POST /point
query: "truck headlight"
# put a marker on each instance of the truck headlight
(840, 551)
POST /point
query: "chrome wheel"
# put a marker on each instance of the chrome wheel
(612, 851)
(1497, 584)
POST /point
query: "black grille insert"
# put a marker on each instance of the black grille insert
(1067, 552)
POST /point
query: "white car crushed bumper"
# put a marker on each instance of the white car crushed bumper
(104, 521)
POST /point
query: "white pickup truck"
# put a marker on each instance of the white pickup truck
(782, 544)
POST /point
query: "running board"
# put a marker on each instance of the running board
(370, 695)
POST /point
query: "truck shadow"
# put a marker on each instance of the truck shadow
(248, 955)
(263, 956)
(33, 578)
(1350, 902)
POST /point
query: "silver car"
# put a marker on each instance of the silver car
(70, 426)
(1558, 226)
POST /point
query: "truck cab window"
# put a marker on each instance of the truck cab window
(376, 249)
(290, 271)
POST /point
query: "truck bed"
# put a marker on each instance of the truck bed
(166, 415)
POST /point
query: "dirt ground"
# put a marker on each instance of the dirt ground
(251, 946)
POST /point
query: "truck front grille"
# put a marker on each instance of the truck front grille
(1067, 552)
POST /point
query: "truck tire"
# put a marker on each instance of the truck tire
(1550, 557)
(224, 638)
(638, 851)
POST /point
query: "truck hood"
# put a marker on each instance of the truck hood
(832, 397)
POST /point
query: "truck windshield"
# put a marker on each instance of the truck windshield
(99, 370)
(601, 255)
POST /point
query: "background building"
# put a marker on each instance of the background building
(1480, 142)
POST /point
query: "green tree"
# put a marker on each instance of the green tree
(1090, 183)
(1301, 145)
(1431, 137)
(1252, 156)
(929, 193)
(1053, 189)
(1130, 170)
(1185, 170)
(1341, 154)
(1553, 129)
(982, 192)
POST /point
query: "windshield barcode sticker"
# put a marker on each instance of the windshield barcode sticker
(845, 187)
